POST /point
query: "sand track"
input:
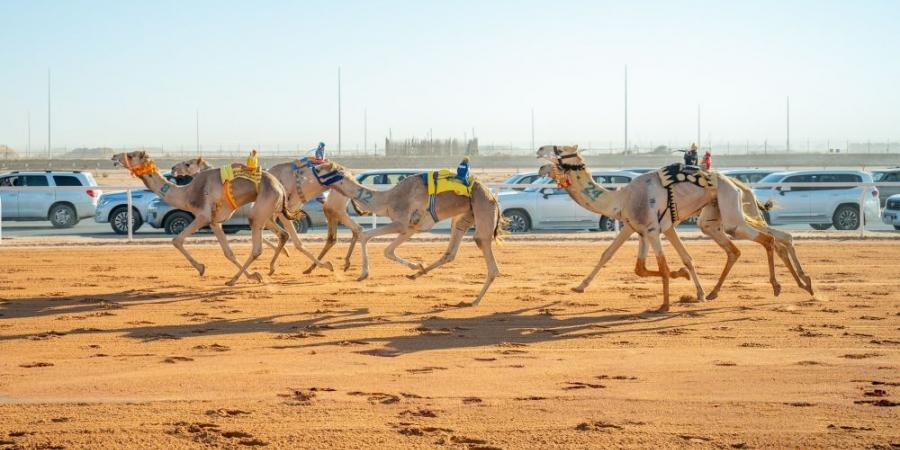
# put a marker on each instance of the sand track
(117, 346)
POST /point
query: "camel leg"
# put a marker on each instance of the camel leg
(389, 251)
(620, 239)
(655, 242)
(275, 228)
(299, 245)
(256, 236)
(282, 240)
(709, 223)
(460, 226)
(178, 242)
(686, 259)
(484, 239)
(217, 230)
(640, 266)
(355, 231)
(393, 227)
(330, 239)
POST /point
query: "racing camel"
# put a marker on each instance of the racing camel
(416, 204)
(651, 208)
(212, 200)
(300, 184)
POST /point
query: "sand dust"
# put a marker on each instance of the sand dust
(120, 346)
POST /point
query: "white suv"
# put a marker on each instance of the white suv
(62, 208)
(820, 207)
(553, 209)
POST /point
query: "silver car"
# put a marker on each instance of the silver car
(887, 176)
(112, 208)
(748, 176)
(552, 208)
(820, 207)
(891, 213)
(62, 208)
(520, 178)
(173, 220)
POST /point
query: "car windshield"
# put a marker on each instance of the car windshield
(878, 176)
(772, 177)
(539, 182)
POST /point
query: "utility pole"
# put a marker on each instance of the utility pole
(197, 129)
(788, 115)
(532, 131)
(339, 110)
(365, 130)
(28, 136)
(698, 125)
(49, 146)
(626, 107)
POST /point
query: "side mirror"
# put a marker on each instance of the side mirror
(547, 192)
(783, 189)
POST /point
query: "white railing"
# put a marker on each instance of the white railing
(494, 186)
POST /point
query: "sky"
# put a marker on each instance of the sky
(265, 73)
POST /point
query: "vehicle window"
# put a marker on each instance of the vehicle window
(879, 176)
(370, 179)
(7, 181)
(36, 180)
(772, 178)
(838, 178)
(891, 177)
(66, 180)
(394, 178)
(528, 179)
(754, 177)
(601, 179)
(801, 179)
(619, 179)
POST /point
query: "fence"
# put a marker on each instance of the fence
(494, 186)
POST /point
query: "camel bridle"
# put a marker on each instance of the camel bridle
(148, 167)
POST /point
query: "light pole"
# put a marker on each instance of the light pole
(788, 116)
(532, 131)
(626, 107)
(339, 110)
(49, 145)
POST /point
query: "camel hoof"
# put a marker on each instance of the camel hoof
(309, 269)
(578, 289)
(662, 309)
(776, 288)
(231, 282)
(413, 276)
(712, 296)
(346, 265)
(201, 269)
(256, 276)
(362, 277)
(327, 265)
(682, 273)
(271, 271)
(418, 267)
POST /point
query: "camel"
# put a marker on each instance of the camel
(644, 207)
(407, 205)
(300, 184)
(205, 198)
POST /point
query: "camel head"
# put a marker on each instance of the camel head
(565, 157)
(139, 163)
(190, 167)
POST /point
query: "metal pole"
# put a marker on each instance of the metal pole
(698, 125)
(339, 110)
(197, 130)
(49, 143)
(626, 107)
(365, 130)
(129, 217)
(862, 212)
(28, 140)
(789, 124)
(532, 131)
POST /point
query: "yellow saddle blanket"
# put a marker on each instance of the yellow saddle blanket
(445, 180)
(230, 173)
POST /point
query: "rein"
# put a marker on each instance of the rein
(326, 179)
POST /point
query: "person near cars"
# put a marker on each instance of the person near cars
(706, 163)
(690, 155)
(462, 171)
(320, 152)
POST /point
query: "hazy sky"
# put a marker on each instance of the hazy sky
(133, 73)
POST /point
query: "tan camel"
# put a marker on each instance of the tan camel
(205, 198)
(407, 205)
(644, 207)
(300, 184)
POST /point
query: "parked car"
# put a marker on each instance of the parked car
(748, 176)
(162, 215)
(820, 207)
(887, 176)
(62, 208)
(521, 178)
(891, 213)
(640, 170)
(112, 208)
(552, 208)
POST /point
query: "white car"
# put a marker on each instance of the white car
(748, 176)
(820, 207)
(521, 178)
(552, 208)
(891, 213)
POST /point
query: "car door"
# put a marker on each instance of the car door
(886, 191)
(34, 204)
(584, 214)
(793, 202)
(555, 208)
(10, 199)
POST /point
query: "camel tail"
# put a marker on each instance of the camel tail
(483, 197)
(752, 208)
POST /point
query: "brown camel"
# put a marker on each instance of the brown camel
(644, 207)
(407, 205)
(300, 184)
(205, 198)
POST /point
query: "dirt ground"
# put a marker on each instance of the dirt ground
(117, 346)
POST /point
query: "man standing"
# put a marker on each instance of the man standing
(690, 156)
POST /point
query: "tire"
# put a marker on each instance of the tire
(177, 222)
(231, 230)
(301, 225)
(820, 226)
(897, 227)
(63, 216)
(607, 224)
(517, 221)
(846, 217)
(118, 220)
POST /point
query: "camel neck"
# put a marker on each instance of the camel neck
(371, 199)
(590, 195)
(168, 191)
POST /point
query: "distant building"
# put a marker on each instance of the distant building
(7, 152)
(430, 147)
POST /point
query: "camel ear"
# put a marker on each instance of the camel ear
(199, 160)
(575, 147)
(142, 154)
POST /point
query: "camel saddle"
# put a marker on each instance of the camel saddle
(231, 172)
(445, 180)
(680, 173)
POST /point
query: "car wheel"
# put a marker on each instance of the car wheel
(897, 227)
(517, 221)
(118, 220)
(177, 222)
(63, 216)
(231, 230)
(820, 226)
(846, 217)
(607, 224)
(301, 225)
